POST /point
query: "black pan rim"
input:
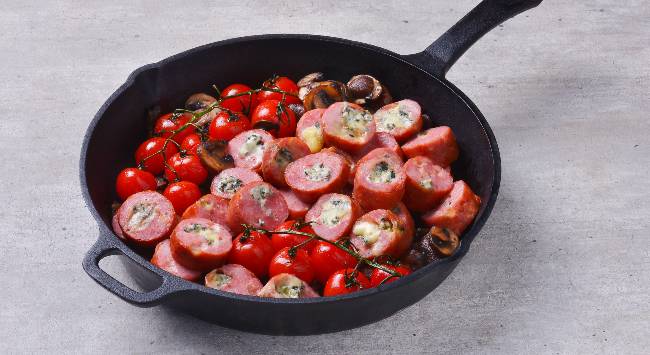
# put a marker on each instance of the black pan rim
(185, 285)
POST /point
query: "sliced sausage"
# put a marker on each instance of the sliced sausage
(426, 184)
(209, 207)
(377, 233)
(297, 207)
(229, 181)
(309, 129)
(401, 119)
(116, 227)
(457, 210)
(258, 204)
(405, 217)
(348, 159)
(234, 278)
(247, 148)
(287, 286)
(146, 218)
(317, 174)
(162, 257)
(333, 216)
(347, 126)
(379, 180)
(200, 244)
(278, 154)
(380, 140)
(437, 144)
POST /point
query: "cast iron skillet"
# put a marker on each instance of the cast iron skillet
(120, 125)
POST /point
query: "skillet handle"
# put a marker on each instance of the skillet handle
(105, 246)
(445, 51)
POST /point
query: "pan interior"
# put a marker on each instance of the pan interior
(122, 123)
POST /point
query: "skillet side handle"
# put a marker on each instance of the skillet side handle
(104, 247)
(445, 51)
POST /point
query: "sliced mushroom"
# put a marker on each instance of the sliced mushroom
(442, 241)
(310, 78)
(207, 117)
(364, 87)
(323, 94)
(384, 99)
(214, 157)
(199, 101)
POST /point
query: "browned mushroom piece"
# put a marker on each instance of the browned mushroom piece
(310, 78)
(298, 109)
(384, 99)
(437, 244)
(323, 94)
(199, 101)
(363, 87)
(441, 241)
(214, 157)
(207, 117)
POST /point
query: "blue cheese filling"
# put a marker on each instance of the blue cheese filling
(261, 194)
(355, 122)
(381, 173)
(318, 173)
(393, 118)
(290, 287)
(253, 146)
(142, 215)
(334, 211)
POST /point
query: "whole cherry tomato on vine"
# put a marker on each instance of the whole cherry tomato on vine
(244, 103)
(167, 123)
(227, 125)
(252, 251)
(187, 166)
(182, 194)
(298, 264)
(274, 117)
(191, 143)
(378, 275)
(132, 180)
(345, 281)
(153, 148)
(283, 240)
(327, 258)
(279, 83)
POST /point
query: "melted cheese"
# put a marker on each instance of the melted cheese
(290, 287)
(141, 216)
(261, 194)
(219, 280)
(393, 118)
(313, 137)
(210, 234)
(318, 172)
(355, 122)
(252, 146)
(426, 183)
(334, 211)
(381, 173)
(229, 184)
(367, 231)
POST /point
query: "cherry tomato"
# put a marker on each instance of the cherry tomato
(298, 265)
(345, 281)
(274, 117)
(169, 122)
(244, 103)
(188, 167)
(190, 143)
(182, 194)
(279, 83)
(327, 258)
(378, 276)
(155, 164)
(132, 180)
(226, 125)
(283, 240)
(253, 252)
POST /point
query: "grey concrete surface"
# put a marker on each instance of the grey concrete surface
(562, 266)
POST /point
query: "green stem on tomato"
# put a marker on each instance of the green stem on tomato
(353, 253)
